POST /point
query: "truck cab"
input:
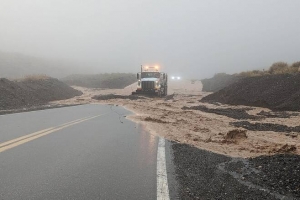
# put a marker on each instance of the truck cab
(152, 81)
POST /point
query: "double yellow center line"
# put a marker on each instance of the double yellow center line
(27, 138)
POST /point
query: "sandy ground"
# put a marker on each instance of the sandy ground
(203, 130)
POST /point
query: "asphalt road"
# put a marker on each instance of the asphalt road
(80, 152)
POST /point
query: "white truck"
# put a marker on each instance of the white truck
(152, 81)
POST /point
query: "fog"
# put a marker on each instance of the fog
(194, 38)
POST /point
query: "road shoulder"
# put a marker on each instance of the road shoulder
(200, 176)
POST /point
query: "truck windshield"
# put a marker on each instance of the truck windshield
(150, 75)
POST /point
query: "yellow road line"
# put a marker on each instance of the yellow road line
(27, 138)
(35, 133)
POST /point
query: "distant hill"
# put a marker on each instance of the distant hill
(15, 65)
(218, 82)
(112, 81)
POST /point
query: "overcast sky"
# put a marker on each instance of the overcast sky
(195, 38)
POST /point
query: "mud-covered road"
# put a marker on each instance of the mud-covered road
(220, 151)
(182, 118)
(94, 152)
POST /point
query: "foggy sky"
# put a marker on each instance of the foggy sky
(194, 38)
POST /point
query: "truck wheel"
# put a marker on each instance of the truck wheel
(159, 93)
(165, 91)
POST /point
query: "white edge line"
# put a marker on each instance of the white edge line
(162, 180)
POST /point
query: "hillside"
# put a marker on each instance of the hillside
(279, 92)
(218, 82)
(111, 81)
(15, 65)
(33, 91)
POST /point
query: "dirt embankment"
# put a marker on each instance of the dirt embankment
(278, 92)
(218, 82)
(111, 81)
(33, 91)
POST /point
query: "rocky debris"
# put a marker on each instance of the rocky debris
(236, 134)
(265, 127)
(115, 96)
(229, 112)
(169, 97)
(218, 82)
(278, 114)
(287, 149)
(277, 92)
(279, 173)
(33, 91)
(199, 176)
(151, 119)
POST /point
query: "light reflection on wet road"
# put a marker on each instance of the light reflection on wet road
(100, 158)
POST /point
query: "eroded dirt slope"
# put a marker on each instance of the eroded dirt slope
(280, 92)
(29, 92)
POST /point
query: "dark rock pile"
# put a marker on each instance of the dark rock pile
(31, 92)
(265, 127)
(229, 112)
(277, 92)
(279, 114)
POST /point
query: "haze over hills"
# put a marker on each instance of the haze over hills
(15, 65)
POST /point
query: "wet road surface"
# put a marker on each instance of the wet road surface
(102, 155)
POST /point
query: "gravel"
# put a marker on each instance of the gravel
(200, 177)
(278, 114)
(265, 127)
(279, 173)
(229, 112)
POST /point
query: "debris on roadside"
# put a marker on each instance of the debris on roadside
(151, 119)
(278, 114)
(236, 134)
(229, 112)
(287, 149)
(265, 127)
(169, 97)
